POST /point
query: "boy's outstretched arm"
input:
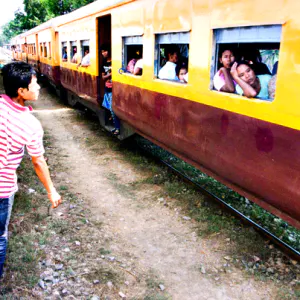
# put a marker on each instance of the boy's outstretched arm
(42, 171)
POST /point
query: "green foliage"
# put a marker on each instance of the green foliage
(37, 12)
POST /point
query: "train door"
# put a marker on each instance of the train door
(103, 38)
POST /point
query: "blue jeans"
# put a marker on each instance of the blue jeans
(5, 212)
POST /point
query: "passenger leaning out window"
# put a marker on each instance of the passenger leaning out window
(138, 68)
(86, 60)
(75, 56)
(223, 80)
(248, 84)
(65, 55)
(135, 65)
(168, 71)
(181, 72)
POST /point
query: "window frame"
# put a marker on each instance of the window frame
(258, 34)
(45, 50)
(131, 40)
(64, 44)
(83, 44)
(169, 38)
(72, 45)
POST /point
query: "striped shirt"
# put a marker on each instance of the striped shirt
(18, 128)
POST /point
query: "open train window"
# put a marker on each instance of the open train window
(132, 58)
(45, 49)
(172, 56)
(73, 52)
(41, 49)
(49, 52)
(85, 46)
(246, 55)
(64, 51)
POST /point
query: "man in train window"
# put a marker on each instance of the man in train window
(168, 71)
(75, 56)
(85, 61)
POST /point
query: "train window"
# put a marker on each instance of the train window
(49, 47)
(64, 51)
(45, 49)
(132, 59)
(246, 55)
(73, 52)
(171, 56)
(85, 46)
(41, 49)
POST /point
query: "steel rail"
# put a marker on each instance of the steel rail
(287, 249)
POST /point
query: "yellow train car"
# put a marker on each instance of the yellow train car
(250, 144)
(39, 48)
(18, 47)
(85, 29)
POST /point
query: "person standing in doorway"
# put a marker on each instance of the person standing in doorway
(19, 129)
(106, 76)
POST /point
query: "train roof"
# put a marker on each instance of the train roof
(48, 24)
(92, 8)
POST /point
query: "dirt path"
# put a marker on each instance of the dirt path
(149, 239)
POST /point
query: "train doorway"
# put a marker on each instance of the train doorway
(103, 38)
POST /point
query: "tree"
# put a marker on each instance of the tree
(37, 12)
(79, 3)
(61, 7)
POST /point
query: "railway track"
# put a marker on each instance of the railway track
(284, 247)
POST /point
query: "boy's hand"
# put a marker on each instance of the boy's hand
(54, 198)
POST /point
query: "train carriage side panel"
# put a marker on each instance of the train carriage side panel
(251, 145)
(80, 80)
(33, 55)
(46, 46)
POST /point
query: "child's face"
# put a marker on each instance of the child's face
(227, 58)
(104, 53)
(32, 93)
(181, 74)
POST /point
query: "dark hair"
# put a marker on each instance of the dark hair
(105, 47)
(16, 75)
(222, 50)
(244, 62)
(170, 50)
(251, 54)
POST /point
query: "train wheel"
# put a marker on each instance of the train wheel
(72, 99)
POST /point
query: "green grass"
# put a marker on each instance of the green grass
(63, 188)
(153, 291)
(23, 258)
(104, 251)
(275, 225)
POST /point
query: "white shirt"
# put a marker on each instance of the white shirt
(138, 64)
(86, 60)
(168, 71)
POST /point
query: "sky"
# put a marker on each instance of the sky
(8, 9)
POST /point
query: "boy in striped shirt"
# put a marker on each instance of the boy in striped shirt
(19, 128)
